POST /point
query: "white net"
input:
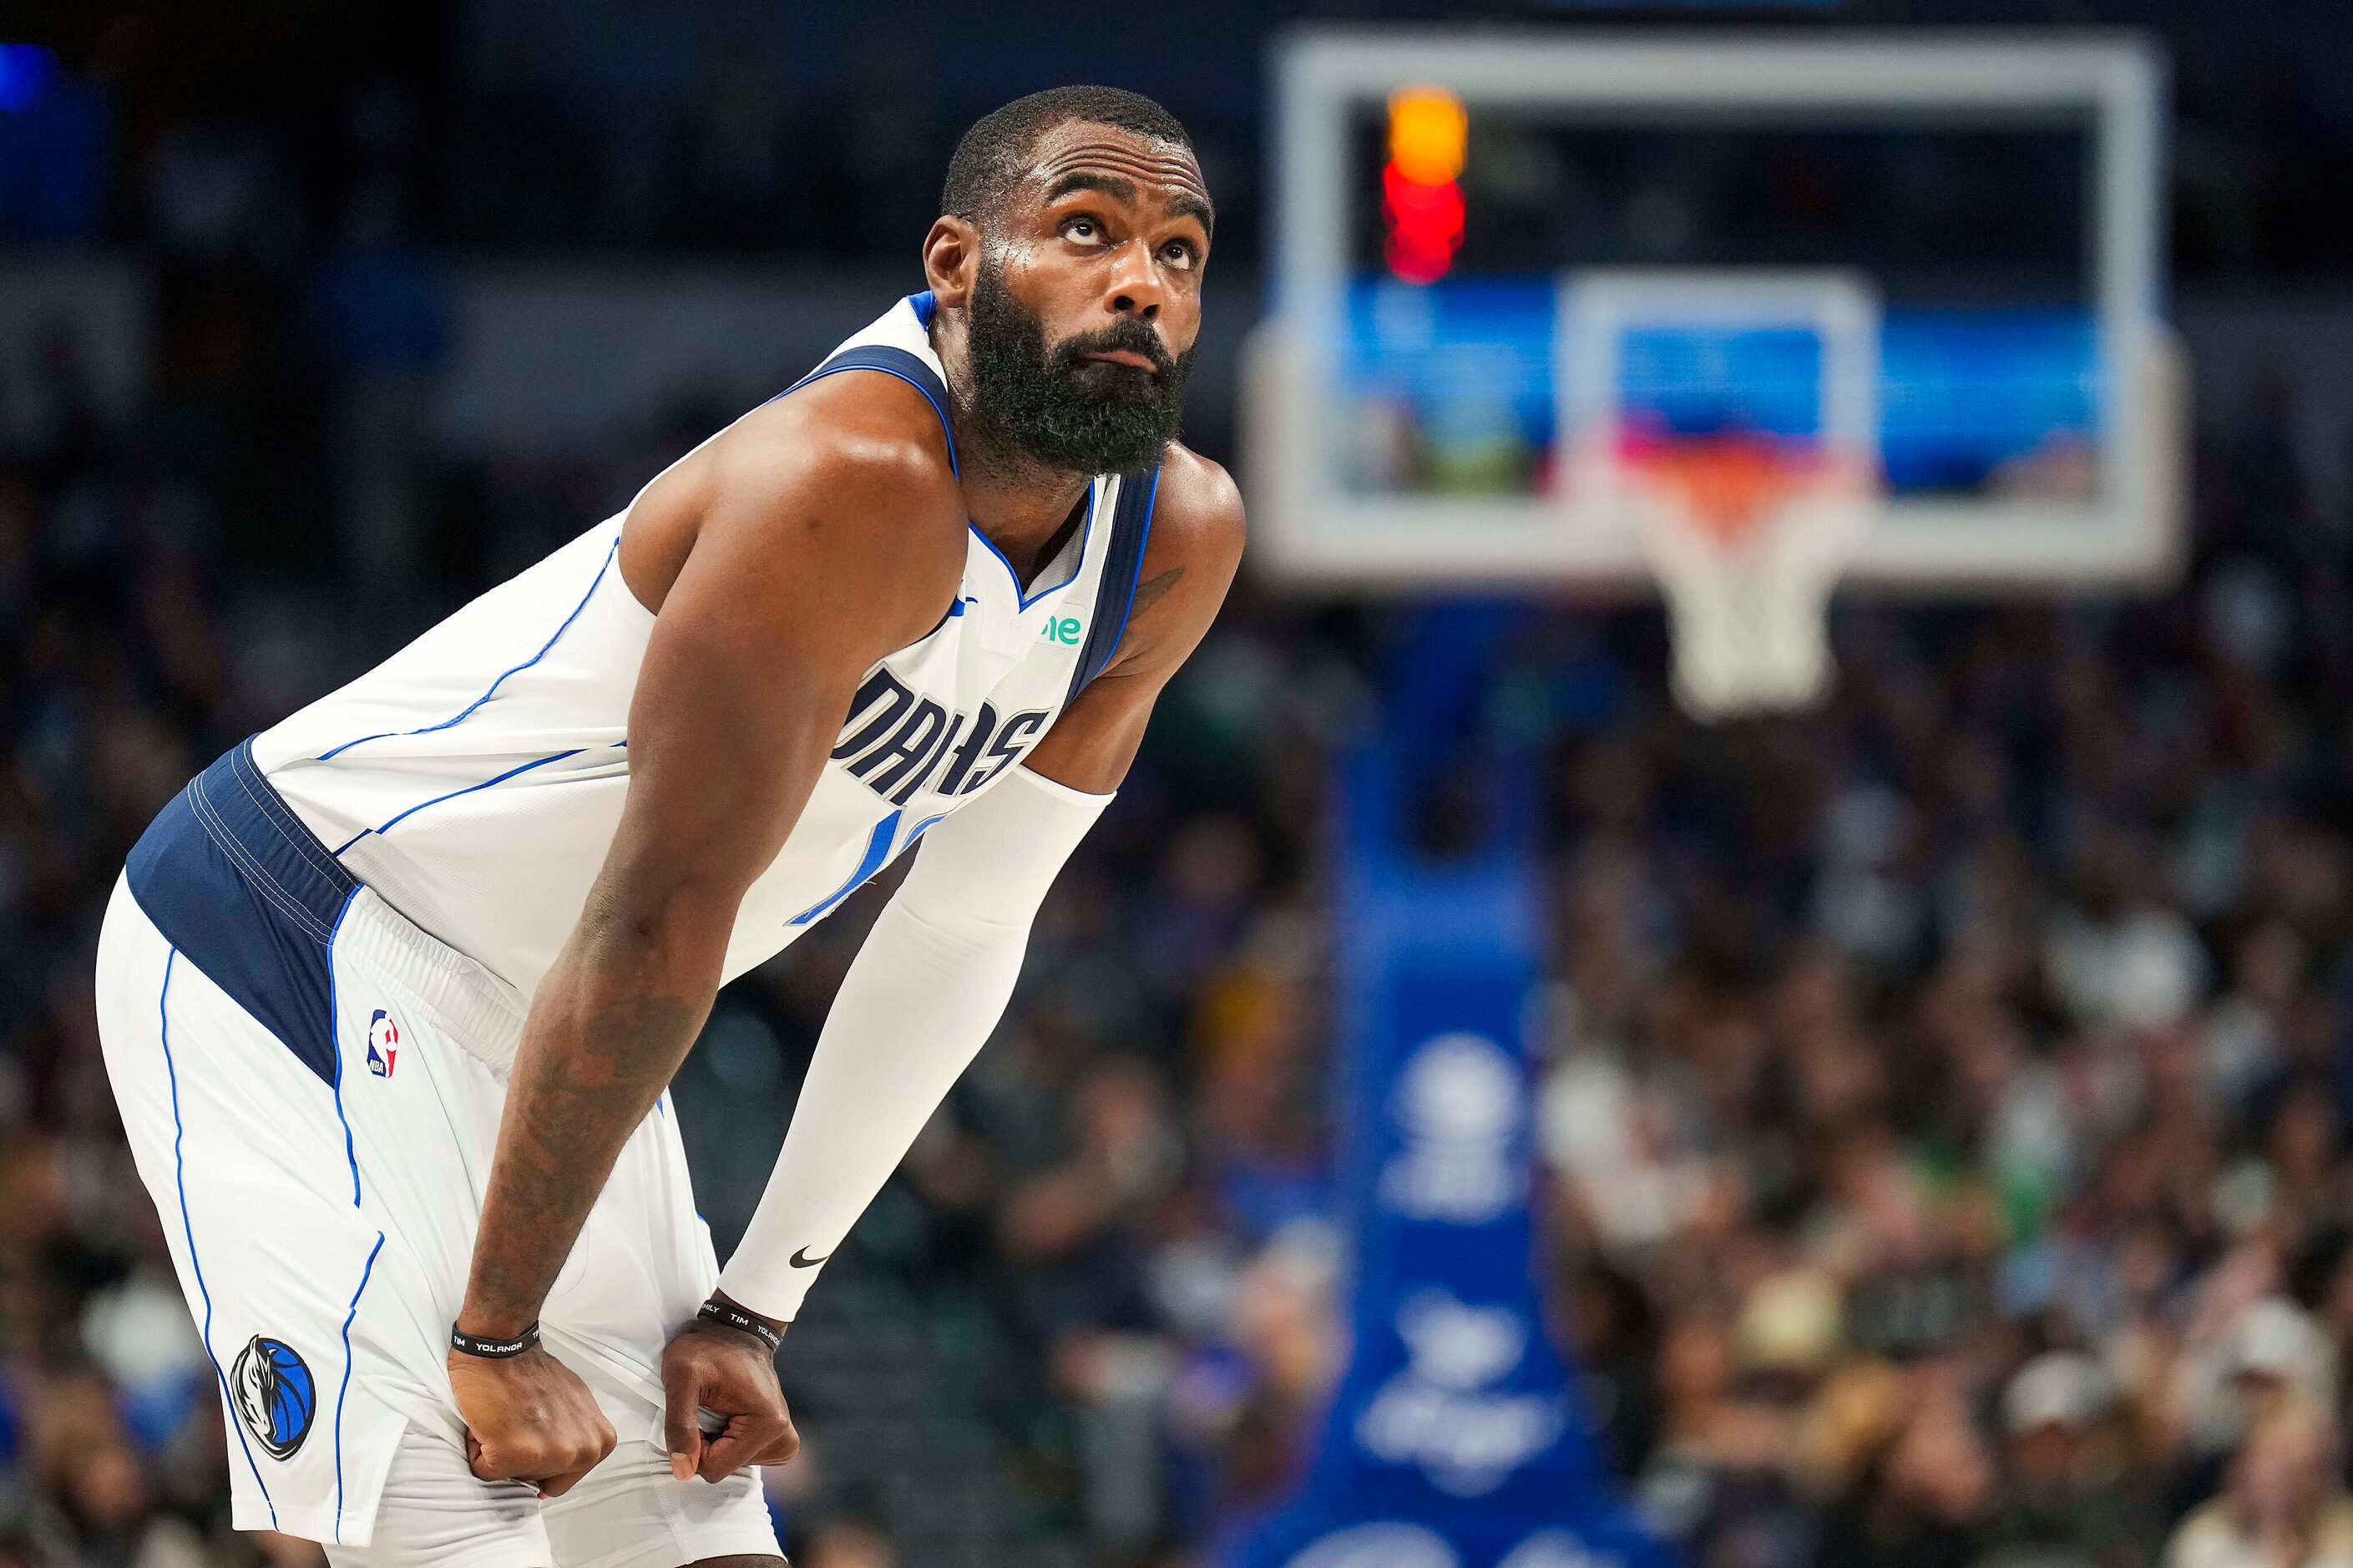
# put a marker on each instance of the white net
(1748, 542)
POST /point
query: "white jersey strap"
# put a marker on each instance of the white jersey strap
(908, 366)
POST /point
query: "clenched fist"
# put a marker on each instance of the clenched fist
(732, 1374)
(528, 1417)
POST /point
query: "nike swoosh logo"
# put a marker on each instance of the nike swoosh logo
(801, 1259)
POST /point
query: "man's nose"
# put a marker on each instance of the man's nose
(1135, 286)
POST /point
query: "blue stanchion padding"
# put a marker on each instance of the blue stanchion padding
(1455, 1438)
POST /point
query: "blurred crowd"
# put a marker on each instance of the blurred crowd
(1948, 1112)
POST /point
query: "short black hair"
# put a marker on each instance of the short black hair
(995, 151)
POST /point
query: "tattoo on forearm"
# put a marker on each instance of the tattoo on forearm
(1148, 592)
(564, 1124)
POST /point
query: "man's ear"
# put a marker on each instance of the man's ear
(951, 260)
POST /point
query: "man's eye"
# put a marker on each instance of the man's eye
(1081, 229)
(1178, 254)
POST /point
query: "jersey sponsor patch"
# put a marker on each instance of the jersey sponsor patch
(276, 1396)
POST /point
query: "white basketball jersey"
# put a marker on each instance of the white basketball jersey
(475, 779)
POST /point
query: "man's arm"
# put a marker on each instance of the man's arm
(801, 566)
(931, 981)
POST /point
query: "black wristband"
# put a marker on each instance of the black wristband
(493, 1349)
(733, 1317)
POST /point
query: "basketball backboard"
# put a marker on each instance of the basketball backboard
(1938, 252)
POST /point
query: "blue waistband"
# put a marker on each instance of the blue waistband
(249, 895)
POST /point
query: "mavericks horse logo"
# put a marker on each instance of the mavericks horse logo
(274, 1394)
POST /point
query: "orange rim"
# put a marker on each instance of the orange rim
(1726, 484)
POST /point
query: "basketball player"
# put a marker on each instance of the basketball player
(390, 993)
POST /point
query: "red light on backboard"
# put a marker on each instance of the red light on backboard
(1421, 201)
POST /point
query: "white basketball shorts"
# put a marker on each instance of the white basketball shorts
(312, 1088)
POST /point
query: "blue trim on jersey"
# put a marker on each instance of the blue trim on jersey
(351, 1154)
(365, 1274)
(1131, 531)
(908, 367)
(470, 789)
(466, 711)
(878, 850)
(1086, 534)
(233, 880)
(188, 1229)
(385, 827)
(925, 306)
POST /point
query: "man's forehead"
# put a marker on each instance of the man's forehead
(1084, 147)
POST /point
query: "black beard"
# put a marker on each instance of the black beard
(1055, 406)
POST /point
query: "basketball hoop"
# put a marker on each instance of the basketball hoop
(1729, 419)
(1747, 535)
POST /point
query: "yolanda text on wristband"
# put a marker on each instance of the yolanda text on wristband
(493, 1349)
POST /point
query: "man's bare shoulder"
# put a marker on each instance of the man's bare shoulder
(850, 472)
(872, 437)
(1196, 518)
(1189, 561)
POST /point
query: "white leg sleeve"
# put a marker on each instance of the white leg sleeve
(922, 996)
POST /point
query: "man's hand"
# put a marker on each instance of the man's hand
(530, 1419)
(732, 1374)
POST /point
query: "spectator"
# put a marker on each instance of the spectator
(2065, 1499)
(1923, 1502)
(2285, 1506)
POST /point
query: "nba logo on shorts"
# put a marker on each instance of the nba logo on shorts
(383, 1043)
(275, 1396)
